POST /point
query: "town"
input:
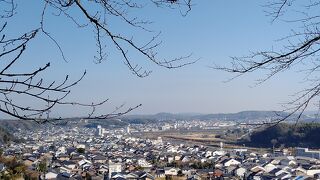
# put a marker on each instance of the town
(159, 90)
(71, 152)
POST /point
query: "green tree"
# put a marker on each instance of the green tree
(81, 150)
(43, 167)
(6, 139)
(14, 168)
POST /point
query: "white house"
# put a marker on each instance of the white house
(257, 169)
(208, 154)
(114, 167)
(83, 162)
(269, 167)
(177, 158)
(65, 169)
(218, 153)
(144, 163)
(231, 162)
(312, 172)
(171, 171)
(51, 175)
(240, 171)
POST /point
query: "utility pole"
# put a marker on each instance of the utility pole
(48, 111)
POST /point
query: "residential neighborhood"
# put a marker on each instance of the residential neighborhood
(117, 153)
(159, 90)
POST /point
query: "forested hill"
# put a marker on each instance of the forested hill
(5, 136)
(15, 125)
(302, 135)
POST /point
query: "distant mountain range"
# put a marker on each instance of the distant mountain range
(243, 116)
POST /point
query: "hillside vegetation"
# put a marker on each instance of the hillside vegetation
(5, 136)
(289, 135)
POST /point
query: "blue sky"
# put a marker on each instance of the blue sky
(213, 31)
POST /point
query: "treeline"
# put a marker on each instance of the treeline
(288, 135)
(5, 136)
(139, 120)
(116, 123)
(14, 125)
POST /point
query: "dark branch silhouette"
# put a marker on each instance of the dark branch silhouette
(121, 10)
(301, 51)
(32, 83)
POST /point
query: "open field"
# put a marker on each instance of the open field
(207, 138)
(196, 137)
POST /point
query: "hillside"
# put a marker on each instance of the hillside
(5, 136)
(242, 116)
(14, 125)
(289, 135)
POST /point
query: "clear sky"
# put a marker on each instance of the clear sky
(214, 31)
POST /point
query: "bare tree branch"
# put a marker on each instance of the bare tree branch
(301, 51)
(46, 95)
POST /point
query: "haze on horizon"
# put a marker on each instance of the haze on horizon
(213, 31)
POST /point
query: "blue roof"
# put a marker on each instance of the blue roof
(299, 178)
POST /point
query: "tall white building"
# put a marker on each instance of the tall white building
(128, 129)
(100, 130)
